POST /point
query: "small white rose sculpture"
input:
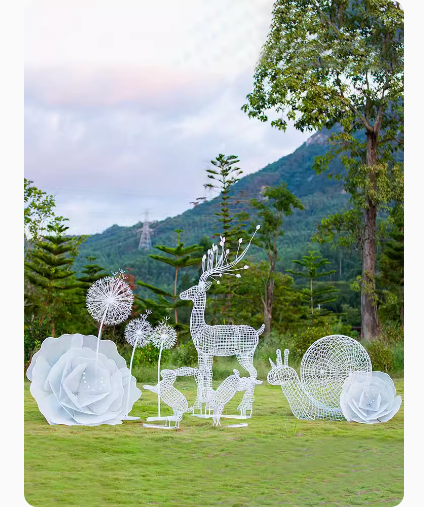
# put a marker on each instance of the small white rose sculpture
(369, 397)
(71, 388)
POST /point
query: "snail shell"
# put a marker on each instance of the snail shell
(327, 363)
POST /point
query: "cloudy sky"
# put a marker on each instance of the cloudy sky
(127, 101)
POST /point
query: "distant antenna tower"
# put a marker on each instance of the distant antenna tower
(145, 241)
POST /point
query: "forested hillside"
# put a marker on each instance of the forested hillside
(117, 247)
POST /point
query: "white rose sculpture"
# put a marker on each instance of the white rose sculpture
(72, 387)
(369, 398)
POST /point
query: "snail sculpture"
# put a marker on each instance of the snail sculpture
(327, 363)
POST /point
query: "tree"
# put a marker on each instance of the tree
(181, 258)
(277, 203)
(224, 177)
(38, 210)
(312, 264)
(49, 271)
(231, 223)
(249, 296)
(390, 280)
(329, 62)
(90, 274)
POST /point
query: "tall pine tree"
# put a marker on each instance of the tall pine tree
(49, 272)
(312, 265)
(179, 257)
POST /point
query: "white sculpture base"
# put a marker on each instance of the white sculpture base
(167, 419)
(130, 418)
(235, 417)
(238, 425)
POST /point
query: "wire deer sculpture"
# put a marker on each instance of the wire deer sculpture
(221, 340)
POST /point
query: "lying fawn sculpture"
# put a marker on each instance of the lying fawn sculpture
(226, 391)
(220, 340)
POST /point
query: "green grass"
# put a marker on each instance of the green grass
(275, 461)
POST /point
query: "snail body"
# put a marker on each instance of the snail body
(327, 363)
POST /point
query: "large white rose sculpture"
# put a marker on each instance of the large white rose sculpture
(71, 388)
(369, 397)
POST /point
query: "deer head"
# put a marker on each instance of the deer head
(215, 265)
(193, 292)
(281, 373)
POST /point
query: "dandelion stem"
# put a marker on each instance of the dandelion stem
(129, 382)
(99, 337)
(160, 354)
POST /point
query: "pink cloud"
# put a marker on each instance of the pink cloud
(82, 86)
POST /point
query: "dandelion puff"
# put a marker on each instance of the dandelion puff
(137, 331)
(164, 336)
(110, 299)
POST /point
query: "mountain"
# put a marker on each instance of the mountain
(117, 247)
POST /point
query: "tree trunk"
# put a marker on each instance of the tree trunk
(370, 324)
(268, 305)
(312, 299)
(175, 296)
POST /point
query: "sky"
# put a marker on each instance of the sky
(127, 101)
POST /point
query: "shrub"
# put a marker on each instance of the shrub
(381, 354)
(147, 355)
(34, 334)
(340, 328)
(392, 333)
(398, 365)
(185, 354)
(301, 341)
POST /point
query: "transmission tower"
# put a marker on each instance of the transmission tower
(145, 241)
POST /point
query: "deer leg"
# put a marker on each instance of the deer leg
(205, 384)
(246, 361)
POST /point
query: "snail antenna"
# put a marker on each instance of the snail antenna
(279, 361)
(286, 357)
(272, 363)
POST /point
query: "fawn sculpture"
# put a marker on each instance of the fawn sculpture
(171, 397)
(220, 340)
(225, 392)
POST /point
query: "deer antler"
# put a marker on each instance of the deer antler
(217, 264)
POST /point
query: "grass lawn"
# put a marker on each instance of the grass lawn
(275, 461)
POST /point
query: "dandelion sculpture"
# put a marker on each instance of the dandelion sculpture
(109, 301)
(137, 334)
(163, 337)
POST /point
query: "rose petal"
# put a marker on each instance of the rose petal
(395, 409)
(357, 410)
(370, 399)
(119, 392)
(387, 380)
(49, 406)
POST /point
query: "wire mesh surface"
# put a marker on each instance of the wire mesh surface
(220, 340)
(326, 365)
